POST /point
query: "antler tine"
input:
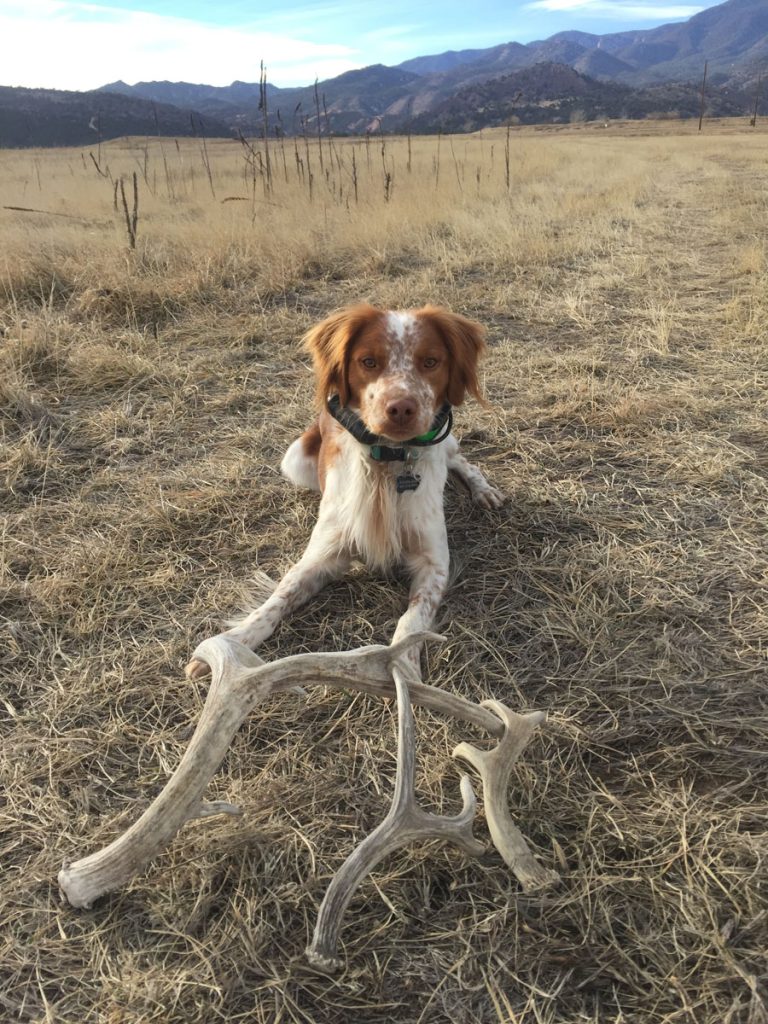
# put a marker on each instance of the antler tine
(405, 822)
(494, 767)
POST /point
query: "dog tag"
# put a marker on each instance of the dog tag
(408, 480)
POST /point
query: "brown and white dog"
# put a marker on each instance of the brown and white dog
(380, 453)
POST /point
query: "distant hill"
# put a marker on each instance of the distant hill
(351, 100)
(502, 56)
(733, 37)
(49, 117)
(556, 93)
(220, 103)
(185, 94)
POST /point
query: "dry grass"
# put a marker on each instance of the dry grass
(146, 399)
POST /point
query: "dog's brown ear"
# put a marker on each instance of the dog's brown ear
(465, 341)
(329, 343)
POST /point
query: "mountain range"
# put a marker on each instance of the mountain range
(732, 37)
(568, 76)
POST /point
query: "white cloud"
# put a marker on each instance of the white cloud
(618, 9)
(64, 45)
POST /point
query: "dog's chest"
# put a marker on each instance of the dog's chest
(379, 523)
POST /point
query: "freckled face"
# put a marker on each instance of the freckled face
(398, 373)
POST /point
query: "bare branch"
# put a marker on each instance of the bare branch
(494, 767)
(404, 823)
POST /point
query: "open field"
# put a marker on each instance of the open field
(146, 397)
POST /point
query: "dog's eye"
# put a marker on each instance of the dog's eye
(370, 362)
(430, 363)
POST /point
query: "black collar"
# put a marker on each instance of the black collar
(349, 419)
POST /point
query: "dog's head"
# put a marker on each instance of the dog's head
(396, 369)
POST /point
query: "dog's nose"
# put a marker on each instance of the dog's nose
(401, 412)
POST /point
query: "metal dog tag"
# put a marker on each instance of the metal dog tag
(408, 480)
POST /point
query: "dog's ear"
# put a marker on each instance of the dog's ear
(329, 343)
(465, 341)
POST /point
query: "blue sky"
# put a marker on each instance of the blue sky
(60, 44)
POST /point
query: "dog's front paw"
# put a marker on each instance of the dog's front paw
(489, 497)
(196, 669)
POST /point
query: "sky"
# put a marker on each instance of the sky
(58, 44)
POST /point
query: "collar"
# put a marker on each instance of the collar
(440, 429)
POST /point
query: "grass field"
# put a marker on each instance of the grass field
(146, 397)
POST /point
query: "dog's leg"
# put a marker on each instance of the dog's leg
(299, 463)
(483, 493)
(429, 569)
(321, 562)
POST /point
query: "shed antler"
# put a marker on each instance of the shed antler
(240, 680)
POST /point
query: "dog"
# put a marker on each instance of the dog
(379, 453)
